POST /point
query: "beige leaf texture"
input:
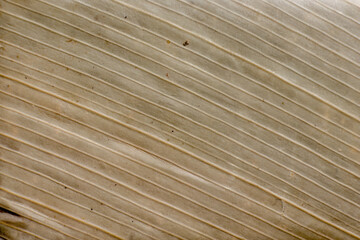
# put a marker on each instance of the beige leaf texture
(180, 119)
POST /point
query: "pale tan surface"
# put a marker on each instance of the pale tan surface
(180, 119)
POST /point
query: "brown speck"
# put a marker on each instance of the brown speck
(91, 209)
(69, 40)
(168, 41)
(172, 130)
(115, 184)
(8, 85)
(65, 187)
(25, 77)
(282, 103)
(67, 69)
(17, 56)
(167, 74)
(101, 204)
(125, 17)
(186, 43)
(92, 87)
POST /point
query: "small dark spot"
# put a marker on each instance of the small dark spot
(91, 209)
(132, 221)
(92, 87)
(172, 130)
(25, 77)
(168, 41)
(186, 43)
(167, 74)
(101, 204)
(65, 187)
(67, 69)
(282, 103)
(125, 17)
(69, 40)
(115, 184)
(17, 56)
